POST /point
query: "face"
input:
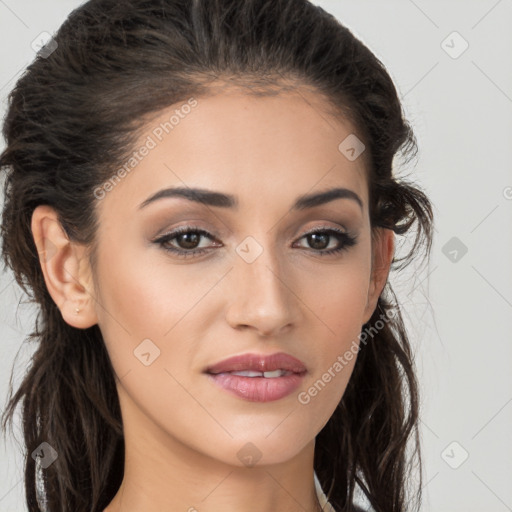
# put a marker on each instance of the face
(259, 272)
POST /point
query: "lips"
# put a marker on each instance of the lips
(254, 365)
(258, 378)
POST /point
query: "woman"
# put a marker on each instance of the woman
(200, 198)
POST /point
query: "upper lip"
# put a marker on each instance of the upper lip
(259, 363)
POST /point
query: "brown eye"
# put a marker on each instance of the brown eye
(319, 240)
(186, 241)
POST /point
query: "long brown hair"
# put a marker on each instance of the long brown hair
(72, 119)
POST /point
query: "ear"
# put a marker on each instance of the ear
(383, 250)
(65, 267)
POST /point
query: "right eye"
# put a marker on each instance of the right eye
(186, 237)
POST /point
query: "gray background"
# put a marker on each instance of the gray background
(458, 307)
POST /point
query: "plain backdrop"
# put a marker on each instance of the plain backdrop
(450, 61)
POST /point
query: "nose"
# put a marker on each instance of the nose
(261, 295)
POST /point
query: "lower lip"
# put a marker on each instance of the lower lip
(258, 389)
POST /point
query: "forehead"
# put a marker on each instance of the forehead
(265, 147)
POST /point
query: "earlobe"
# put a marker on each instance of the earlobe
(65, 268)
(383, 251)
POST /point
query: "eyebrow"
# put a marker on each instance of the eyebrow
(221, 200)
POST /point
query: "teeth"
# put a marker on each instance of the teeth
(275, 373)
(247, 373)
(267, 375)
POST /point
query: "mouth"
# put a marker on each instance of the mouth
(256, 365)
(268, 375)
(258, 378)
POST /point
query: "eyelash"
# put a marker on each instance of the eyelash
(346, 241)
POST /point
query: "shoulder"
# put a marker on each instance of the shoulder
(327, 507)
(360, 508)
(356, 508)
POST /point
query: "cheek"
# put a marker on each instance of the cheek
(145, 317)
(145, 295)
(338, 295)
(132, 307)
(146, 305)
(338, 301)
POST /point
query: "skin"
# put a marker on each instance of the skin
(182, 433)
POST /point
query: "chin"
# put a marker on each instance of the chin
(262, 449)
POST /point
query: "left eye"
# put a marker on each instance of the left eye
(188, 239)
